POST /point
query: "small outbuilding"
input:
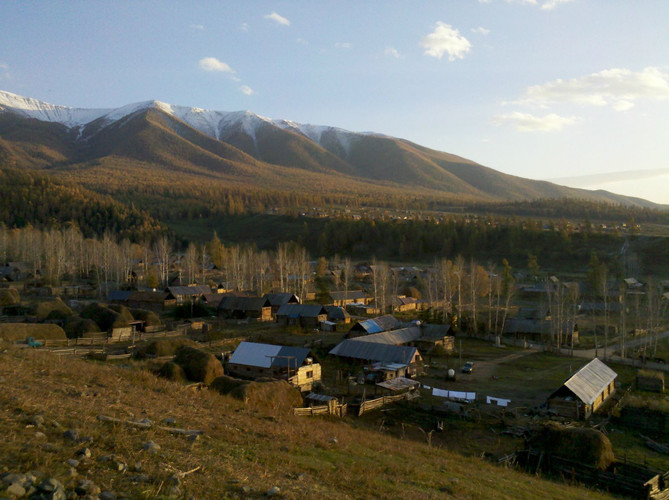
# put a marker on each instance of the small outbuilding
(584, 392)
(305, 315)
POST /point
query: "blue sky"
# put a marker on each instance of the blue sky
(543, 89)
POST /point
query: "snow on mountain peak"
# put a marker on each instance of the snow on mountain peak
(209, 122)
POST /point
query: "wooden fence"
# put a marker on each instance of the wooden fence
(373, 404)
(332, 408)
(103, 339)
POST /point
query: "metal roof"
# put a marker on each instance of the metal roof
(267, 355)
(301, 310)
(237, 303)
(378, 324)
(189, 290)
(393, 337)
(119, 295)
(399, 384)
(373, 351)
(280, 298)
(589, 382)
(350, 295)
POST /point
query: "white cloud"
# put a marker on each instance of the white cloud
(197, 27)
(445, 40)
(213, 64)
(343, 45)
(481, 31)
(4, 71)
(551, 4)
(302, 41)
(618, 88)
(525, 122)
(278, 19)
(244, 27)
(246, 90)
(392, 52)
(523, 2)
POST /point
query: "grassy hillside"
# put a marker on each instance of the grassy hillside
(243, 452)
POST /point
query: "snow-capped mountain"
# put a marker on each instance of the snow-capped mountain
(243, 148)
(215, 124)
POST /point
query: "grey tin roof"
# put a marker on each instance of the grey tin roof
(589, 382)
(372, 351)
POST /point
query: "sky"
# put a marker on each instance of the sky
(570, 90)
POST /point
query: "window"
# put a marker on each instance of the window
(310, 374)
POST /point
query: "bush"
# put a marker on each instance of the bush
(198, 365)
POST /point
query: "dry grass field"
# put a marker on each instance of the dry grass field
(242, 453)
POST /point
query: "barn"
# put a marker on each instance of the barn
(584, 392)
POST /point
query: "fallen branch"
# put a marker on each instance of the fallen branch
(142, 424)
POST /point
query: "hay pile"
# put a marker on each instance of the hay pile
(106, 318)
(78, 327)
(587, 446)
(199, 366)
(172, 371)
(41, 331)
(149, 317)
(123, 311)
(161, 347)
(262, 394)
(9, 297)
(52, 309)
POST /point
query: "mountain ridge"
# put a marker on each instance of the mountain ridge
(243, 147)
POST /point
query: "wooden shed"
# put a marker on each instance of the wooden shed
(305, 315)
(235, 307)
(584, 392)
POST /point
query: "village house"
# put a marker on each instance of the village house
(374, 325)
(294, 364)
(304, 315)
(236, 307)
(348, 297)
(357, 351)
(338, 314)
(191, 293)
(584, 392)
(542, 330)
(151, 301)
(276, 300)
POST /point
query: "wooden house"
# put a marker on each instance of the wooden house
(304, 315)
(360, 351)
(236, 307)
(347, 297)
(276, 300)
(542, 330)
(584, 392)
(294, 364)
(374, 325)
(338, 314)
(191, 293)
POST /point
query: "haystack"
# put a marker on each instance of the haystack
(262, 394)
(41, 331)
(587, 446)
(9, 297)
(198, 365)
(52, 309)
(149, 317)
(172, 371)
(105, 318)
(123, 311)
(162, 347)
(78, 327)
